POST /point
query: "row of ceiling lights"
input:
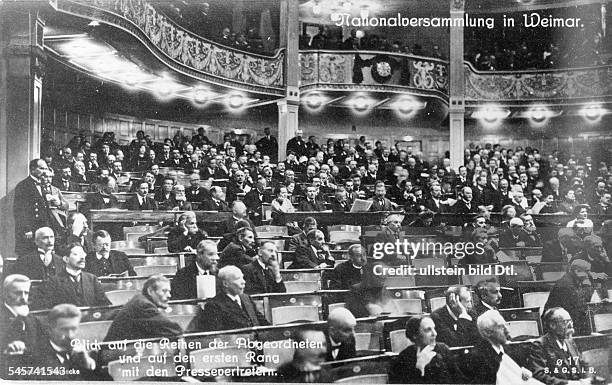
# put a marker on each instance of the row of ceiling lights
(492, 115)
(105, 62)
(405, 106)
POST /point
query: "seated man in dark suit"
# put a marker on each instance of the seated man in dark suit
(379, 201)
(311, 203)
(465, 204)
(554, 358)
(390, 233)
(103, 261)
(215, 202)
(196, 193)
(340, 202)
(350, 272)
(72, 284)
(141, 201)
(103, 198)
(180, 199)
(186, 235)
(306, 364)
(144, 315)
(484, 361)
(426, 361)
(515, 236)
(572, 292)
(165, 196)
(315, 254)
(241, 251)
(489, 295)
(20, 332)
(184, 284)
(340, 335)
(60, 350)
(43, 263)
(300, 239)
(455, 321)
(63, 180)
(231, 308)
(263, 274)
(239, 213)
(255, 198)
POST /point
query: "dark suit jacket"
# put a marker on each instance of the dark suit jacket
(345, 351)
(45, 356)
(442, 369)
(32, 266)
(288, 373)
(234, 254)
(462, 208)
(221, 313)
(336, 206)
(431, 205)
(305, 205)
(26, 329)
(196, 196)
(177, 241)
(141, 318)
(119, 263)
(565, 294)
(506, 239)
(465, 335)
(72, 186)
(297, 241)
(482, 363)
(210, 205)
(545, 355)
(60, 289)
(386, 205)
(344, 276)
(31, 212)
(259, 280)
(253, 202)
(184, 285)
(227, 226)
(305, 258)
(134, 204)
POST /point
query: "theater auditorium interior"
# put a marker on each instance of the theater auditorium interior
(357, 191)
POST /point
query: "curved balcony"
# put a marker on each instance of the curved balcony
(373, 71)
(181, 50)
(553, 86)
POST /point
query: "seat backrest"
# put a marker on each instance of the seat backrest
(161, 250)
(287, 314)
(409, 305)
(436, 303)
(344, 236)
(552, 275)
(365, 379)
(333, 306)
(148, 270)
(130, 371)
(405, 281)
(536, 299)
(367, 341)
(95, 330)
(424, 262)
(398, 340)
(300, 276)
(598, 359)
(263, 231)
(602, 322)
(523, 328)
(299, 286)
(120, 297)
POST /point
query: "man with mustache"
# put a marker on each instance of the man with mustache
(72, 284)
(19, 331)
(555, 358)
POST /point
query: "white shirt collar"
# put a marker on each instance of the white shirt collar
(72, 272)
(453, 316)
(100, 256)
(487, 305)
(263, 266)
(562, 345)
(498, 348)
(234, 297)
(10, 309)
(201, 271)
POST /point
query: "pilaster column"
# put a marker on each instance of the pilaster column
(288, 107)
(22, 67)
(457, 85)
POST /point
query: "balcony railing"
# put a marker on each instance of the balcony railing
(373, 70)
(181, 49)
(550, 85)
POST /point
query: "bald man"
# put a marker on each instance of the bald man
(230, 308)
(306, 364)
(350, 272)
(340, 335)
(43, 263)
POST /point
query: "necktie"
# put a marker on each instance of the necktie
(65, 356)
(46, 258)
(237, 300)
(500, 356)
(76, 280)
